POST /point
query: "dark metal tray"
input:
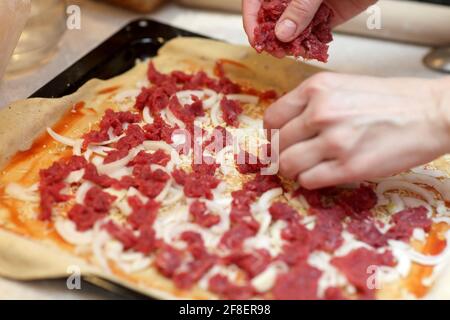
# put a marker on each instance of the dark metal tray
(139, 39)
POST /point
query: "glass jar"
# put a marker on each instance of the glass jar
(13, 16)
(43, 30)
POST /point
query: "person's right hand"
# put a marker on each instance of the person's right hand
(299, 15)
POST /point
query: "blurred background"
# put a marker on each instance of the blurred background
(41, 38)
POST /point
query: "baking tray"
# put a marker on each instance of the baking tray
(140, 39)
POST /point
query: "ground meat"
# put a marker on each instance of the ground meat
(159, 157)
(231, 109)
(358, 201)
(248, 163)
(134, 136)
(312, 43)
(111, 121)
(168, 259)
(240, 213)
(282, 211)
(261, 184)
(327, 232)
(159, 130)
(366, 231)
(96, 206)
(355, 266)
(143, 214)
(295, 252)
(235, 237)
(144, 243)
(406, 221)
(220, 285)
(52, 182)
(187, 113)
(201, 216)
(252, 263)
(202, 261)
(299, 283)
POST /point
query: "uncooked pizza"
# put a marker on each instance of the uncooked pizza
(158, 180)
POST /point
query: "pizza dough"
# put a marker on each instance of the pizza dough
(399, 224)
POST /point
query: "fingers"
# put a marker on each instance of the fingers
(325, 174)
(297, 16)
(286, 108)
(250, 9)
(296, 130)
(293, 103)
(301, 157)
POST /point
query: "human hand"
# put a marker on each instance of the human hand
(299, 14)
(336, 129)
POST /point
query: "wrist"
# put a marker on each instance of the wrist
(441, 92)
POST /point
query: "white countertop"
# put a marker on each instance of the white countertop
(348, 54)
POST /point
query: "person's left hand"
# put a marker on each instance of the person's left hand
(336, 129)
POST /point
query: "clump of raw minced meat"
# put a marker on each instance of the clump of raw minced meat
(312, 43)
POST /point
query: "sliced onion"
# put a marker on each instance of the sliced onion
(442, 219)
(264, 281)
(75, 176)
(100, 150)
(262, 214)
(161, 145)
(110, 141)
(185, 96)
(142, 84)
(164, 192)
(101, 237)
(64, 140)
(267, 198)
(399, 251)
(133, 192)
(173, 196)
(216, 114)
(129, 262)
(16, 191)
(127, 94)
(146, 116)
(82, 190)
(213, 98)
(414, 203)
(68, 231)
(111, 167)
(390, 184)
(173, 120)
(330, 277)
(124, 207)
(87, 154)
(121, 172)
(443, 187)
(250, 122)
(97, 161)
(350, 244)
(428, 260)
(225, 158)
(429, 172)
(397, 202)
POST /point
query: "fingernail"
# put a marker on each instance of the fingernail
(285, 29)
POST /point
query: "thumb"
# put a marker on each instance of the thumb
(297, 16)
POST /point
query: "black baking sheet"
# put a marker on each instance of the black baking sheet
(139, 39)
